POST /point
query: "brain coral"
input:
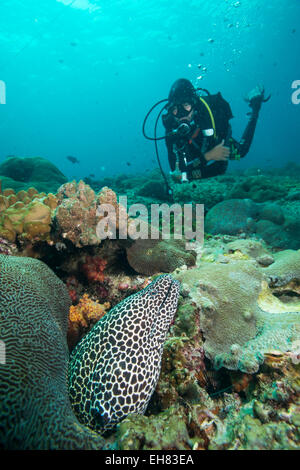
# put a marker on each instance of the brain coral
(34, 405)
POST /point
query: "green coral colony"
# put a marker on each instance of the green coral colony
(200, 349)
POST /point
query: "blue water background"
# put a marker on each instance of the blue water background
(80, 77)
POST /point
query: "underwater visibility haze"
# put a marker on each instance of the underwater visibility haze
(80, 76)
(112, 339)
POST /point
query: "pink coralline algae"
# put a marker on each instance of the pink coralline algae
(7, 248)
(93, 268)
(77, 215)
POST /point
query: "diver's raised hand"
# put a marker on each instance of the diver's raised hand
(256, 97)
(218, 153)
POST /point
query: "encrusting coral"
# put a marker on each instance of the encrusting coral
(93, 268)
(237, 322)
(83, 316)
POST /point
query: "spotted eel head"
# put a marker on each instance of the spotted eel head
(156, 304)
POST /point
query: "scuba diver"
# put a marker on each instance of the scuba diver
(198, 133)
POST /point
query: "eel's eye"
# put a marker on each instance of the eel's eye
(153, 292)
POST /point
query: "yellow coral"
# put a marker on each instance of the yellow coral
(87, 311)
(269, 303)
(26, 214)
(237, 254)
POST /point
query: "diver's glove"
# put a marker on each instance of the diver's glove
(256, 97)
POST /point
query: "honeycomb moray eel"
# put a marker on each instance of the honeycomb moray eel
(113, 371)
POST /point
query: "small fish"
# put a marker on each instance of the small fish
(72, 159)
(128, 163)
(73, 44)
(91, 175)
(194, 185)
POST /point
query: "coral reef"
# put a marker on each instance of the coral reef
(259, 188)
(269, 419)
(267, 221)
(261, 409)
(154, 188)
(209, 191)
(168, 431)
(35, 408)
(251, 249)
(276, 192)
(22, 173)
(230, 362)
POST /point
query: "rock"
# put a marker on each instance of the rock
(272, 212)
(231, 217)
(159, 256)
(21, 173)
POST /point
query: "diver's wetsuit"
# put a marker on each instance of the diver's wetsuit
(189, 150)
